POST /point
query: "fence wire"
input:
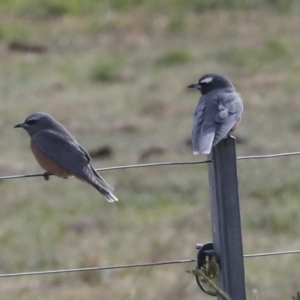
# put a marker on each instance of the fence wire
(160, 164)
(138, 265)
(161, 263)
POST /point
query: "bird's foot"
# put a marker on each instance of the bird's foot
(229, 136)
(47, 175)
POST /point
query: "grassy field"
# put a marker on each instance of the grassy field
(115, 74)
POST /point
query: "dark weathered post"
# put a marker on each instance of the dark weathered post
(226, 221)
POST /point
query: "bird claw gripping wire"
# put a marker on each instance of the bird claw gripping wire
(208, 266)
(46, 176)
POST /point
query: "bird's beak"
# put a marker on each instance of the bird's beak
(21, 125)
(195, 86)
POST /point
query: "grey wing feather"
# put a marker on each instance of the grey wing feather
(229, 111)
(197, 138)
(64, 150)
(203, 131)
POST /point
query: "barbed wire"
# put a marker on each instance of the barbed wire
(159, 164)
(139, 265)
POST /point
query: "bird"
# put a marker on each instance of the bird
(218, 112)
(58, 153)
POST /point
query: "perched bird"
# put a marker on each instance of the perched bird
(217, 114)
(57, 151)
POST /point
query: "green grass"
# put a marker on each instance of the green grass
(105, 70)
(173, 57)
(56, 8)
(115, 73)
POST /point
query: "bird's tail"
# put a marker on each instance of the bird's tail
(106, 193)
(94, 179)
(204, 143)
(104, 188)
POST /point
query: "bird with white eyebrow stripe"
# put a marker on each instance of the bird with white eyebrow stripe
(217, 114)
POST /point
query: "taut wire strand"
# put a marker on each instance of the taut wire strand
(159, 164)
(272, 253)
(170, 262)
(139, 265)
(175, 163)
(268, 156)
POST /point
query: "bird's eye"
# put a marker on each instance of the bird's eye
(30, 122)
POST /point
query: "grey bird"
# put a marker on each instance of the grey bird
(217, 114)
(57, 152)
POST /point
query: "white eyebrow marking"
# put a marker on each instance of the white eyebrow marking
(206, 80)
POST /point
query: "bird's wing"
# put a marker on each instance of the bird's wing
(229, 110)
(202, 135)
(65, 151)
(198, 119)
